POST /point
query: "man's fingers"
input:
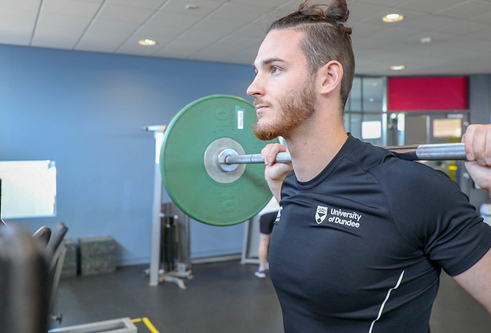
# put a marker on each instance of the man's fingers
(468, 138)
(481, 144)
(270, 151)
(487, 148)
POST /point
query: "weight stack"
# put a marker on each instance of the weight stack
(70, 266)
(97, 255)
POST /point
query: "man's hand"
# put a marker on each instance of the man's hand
(478, 151)
(275, 173)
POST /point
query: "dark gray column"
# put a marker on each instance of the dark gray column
(480, 113)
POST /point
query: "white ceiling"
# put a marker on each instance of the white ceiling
(230, 31)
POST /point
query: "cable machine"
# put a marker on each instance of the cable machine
(171, 229)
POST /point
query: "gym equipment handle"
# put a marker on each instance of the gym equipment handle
(427, 152)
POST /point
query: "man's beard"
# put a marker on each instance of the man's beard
(293, 108)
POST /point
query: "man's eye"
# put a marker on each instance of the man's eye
(275, 70)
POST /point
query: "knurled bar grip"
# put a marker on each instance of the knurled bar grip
(427, 152)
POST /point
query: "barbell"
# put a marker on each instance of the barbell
(204, 154)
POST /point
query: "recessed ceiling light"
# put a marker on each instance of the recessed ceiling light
(191, 6)
(397, 68)
(390, 18)
(147, 42)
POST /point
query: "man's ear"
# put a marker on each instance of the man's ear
(330, 76)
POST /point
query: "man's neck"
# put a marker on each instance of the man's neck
(313, 146)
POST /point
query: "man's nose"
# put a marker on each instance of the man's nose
(254, 88)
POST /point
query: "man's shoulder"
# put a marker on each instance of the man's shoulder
(390, 164)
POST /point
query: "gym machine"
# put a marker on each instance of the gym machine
(170, 257)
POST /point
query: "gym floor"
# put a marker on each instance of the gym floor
(222, 297)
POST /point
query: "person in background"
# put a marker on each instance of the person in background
(267, 216)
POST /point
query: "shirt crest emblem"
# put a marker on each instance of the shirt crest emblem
(321, 214)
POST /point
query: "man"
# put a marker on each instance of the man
(361, 236)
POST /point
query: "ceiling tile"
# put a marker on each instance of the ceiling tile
(114, 26)
(147, 4)
(430, 6)
(100, 41)
(222, 51)
(18, 17)
(230, 10)
(363, 29)
(136, 49)
(262, 3)
(17, 4)
(359, 11)
(393, 34)
(289, 7)
(49, 36)
(245, 57)
(205, 7)
(123, 13)
(481, 35)
(467, 10)
(160, 34)
(256, 30)
(16, 38)
(436, 38)
(215, 25)
(162, 38)
(62, 21)
(458, 27)
(238, 42)
(409, 17)
(430, 22)
(168, 19)
(367, 44)
(70, 7)
(384, 2)
(178, 51)
(199, 39)
(484, 18)
(445, 49)
(209, 55)
(93, 1)
(472, 44)
(15, 34)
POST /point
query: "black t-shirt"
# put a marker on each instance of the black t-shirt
(359, 248)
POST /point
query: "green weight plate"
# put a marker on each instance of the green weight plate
(196, 134)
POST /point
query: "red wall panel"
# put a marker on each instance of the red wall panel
(427, 93)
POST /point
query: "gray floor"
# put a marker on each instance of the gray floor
(222, 297)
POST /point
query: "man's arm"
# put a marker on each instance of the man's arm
(275, 173)
(477, 281)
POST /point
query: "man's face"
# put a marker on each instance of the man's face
(283, 88)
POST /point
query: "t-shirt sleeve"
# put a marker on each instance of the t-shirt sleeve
(434, 215)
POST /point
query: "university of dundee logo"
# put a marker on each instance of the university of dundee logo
(321, 214)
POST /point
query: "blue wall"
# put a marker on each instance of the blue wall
(85, 111)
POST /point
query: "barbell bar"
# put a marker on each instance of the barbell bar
(427, 152)
(207, 146)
